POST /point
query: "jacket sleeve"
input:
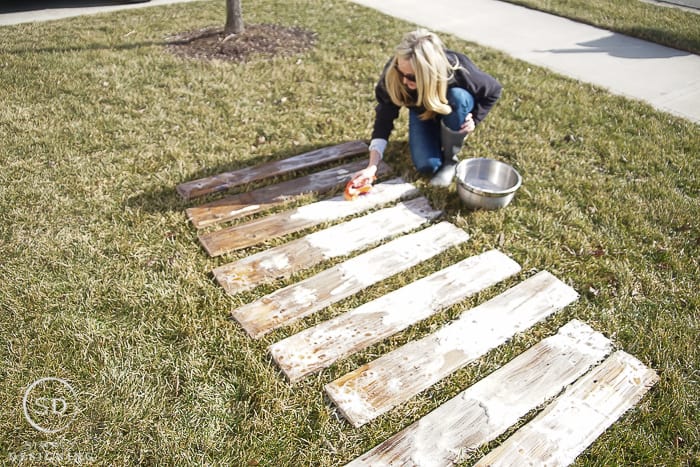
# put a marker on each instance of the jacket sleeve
(385, 111)
(485, 88)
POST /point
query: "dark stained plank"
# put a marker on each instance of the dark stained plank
(226, 180)
(243, 204)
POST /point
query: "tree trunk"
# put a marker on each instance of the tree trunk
(234, 18)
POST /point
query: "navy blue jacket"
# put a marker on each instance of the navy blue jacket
(485, 89)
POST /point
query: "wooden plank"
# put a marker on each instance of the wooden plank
(574, 420)
(485, 410)
(318, 347)
(375, 388)
(315, 293)
(283, 223)
(339, 240)
(243, 204)
(226, 180)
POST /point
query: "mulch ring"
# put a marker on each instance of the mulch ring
(256, 39)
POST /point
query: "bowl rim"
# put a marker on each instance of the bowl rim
(487, 192)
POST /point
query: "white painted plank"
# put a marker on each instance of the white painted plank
(315, 293)
(276, 225)
(251, 202)
(335, 241)
(226, 180)
(368, 392)
(485, 410)
(318, 347)
(569, 424)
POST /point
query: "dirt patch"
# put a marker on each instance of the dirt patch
(255, 40)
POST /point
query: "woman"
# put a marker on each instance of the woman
(447, 96)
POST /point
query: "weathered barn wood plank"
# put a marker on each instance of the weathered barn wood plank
(232, 207)
(226, 180)
(318, 347)
(488, 408)
(568, 425)
(283, 223)
(335, 241)
(308, 296)
(375, 388)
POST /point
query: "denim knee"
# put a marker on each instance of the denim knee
(427, 166)
(462, 102)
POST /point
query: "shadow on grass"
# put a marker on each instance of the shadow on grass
(176, 39)
(166, 198)
(92, 47)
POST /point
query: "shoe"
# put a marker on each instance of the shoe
(443, 177)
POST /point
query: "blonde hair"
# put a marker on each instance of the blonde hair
(426, 53)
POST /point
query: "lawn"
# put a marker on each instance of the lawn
(104, 283)
(652, 21)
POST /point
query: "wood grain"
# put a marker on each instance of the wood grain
(227, 180)
(318, 347)
(485, 410)
(339, 240)
(279, 224)
(315, 293)
(370, 391)
(251, 202)
(574, 420)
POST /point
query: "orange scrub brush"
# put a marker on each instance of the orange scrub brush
(358, 187)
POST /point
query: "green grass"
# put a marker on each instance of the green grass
(656, 22)
(104, 283)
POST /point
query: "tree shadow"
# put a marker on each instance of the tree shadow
(618, 45)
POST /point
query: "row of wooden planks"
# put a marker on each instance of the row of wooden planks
(403, 222)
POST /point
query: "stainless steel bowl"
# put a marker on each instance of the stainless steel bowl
(486, 183)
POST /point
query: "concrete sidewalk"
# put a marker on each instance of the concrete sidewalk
(666, 78)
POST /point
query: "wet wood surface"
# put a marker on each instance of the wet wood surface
(251, 202)
(279, 224)
(318, 347)
(227, 180)
(568, 425)
(345, 279)
(339, 240)
(479, 414)
(372, 390)
(486, 409)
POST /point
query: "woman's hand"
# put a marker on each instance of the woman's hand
(368, 174)
(365, 175)
(468, 126)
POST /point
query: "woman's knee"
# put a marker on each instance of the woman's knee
(462, 102)
(426, 164)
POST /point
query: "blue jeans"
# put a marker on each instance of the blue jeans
(424, 135)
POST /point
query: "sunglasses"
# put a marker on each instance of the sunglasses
(409, 76)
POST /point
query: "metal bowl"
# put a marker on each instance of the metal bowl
(486, 183)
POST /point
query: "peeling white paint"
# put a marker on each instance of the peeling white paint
(391, 313)
(349, 277)
(476, 332)
(275, 262)
(344, 238)
(569, 424)
(303, 295)
(337, 207)
(485, 410)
